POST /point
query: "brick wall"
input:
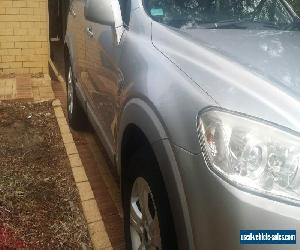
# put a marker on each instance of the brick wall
(24, 46)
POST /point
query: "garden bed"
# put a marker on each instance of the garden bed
(39, 202)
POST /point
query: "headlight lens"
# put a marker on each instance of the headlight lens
(251, 154)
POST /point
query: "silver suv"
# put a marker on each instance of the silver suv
(198, 105)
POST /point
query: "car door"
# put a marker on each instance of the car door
(76, 34)
(104, 77)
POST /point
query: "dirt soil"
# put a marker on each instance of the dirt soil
(39, 202)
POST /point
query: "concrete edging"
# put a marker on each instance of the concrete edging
(91, 212)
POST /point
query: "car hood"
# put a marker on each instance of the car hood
(251, 71)
(272, 54)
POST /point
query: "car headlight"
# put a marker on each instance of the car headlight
(251, 154)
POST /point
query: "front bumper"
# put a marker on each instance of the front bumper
(219, 211)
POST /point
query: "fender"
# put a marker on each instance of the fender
(139, 113)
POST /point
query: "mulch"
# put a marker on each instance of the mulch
(39, 203)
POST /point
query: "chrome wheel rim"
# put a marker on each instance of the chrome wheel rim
(144, 223)
(70, 91)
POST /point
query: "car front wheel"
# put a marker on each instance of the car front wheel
(148, 221)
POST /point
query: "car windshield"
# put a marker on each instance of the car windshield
(226, 14)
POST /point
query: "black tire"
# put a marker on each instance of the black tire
(143, 164)
(76, 115)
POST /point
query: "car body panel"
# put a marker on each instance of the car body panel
(233, 83)
(219, 211)
(75, 37)
(156, 80)
(159, 79)
(103, 77)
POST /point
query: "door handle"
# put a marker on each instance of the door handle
(90, 32)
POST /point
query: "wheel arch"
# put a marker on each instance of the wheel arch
(137, 118)
(141, 126)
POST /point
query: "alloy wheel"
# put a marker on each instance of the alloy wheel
(144, 223)
(70, 91)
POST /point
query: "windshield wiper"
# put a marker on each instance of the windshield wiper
(225, 24)
(238, 24)
(245, 23)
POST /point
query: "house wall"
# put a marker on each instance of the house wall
(24, 39)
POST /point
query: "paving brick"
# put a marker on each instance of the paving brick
(58, 112)
(71, 148)
(64, 129)
(24, 96)
(35, 91)
(85, 191)
(23, 82)
(90, 210)
(99, 236)
(44, 85)
(75, 161)
(56, 103)
(79, 174)
(67, 138)
(62, 121)
(119, 246)
(48, 96)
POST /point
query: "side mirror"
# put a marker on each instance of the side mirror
(99, 11)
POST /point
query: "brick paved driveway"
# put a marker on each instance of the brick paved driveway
(26, 88)
(103, 179)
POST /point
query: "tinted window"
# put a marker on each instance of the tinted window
(125, 10)
(243, 14)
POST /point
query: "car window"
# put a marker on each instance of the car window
(273, 12)
(296, 6)
(125, 10)
(244, 14)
